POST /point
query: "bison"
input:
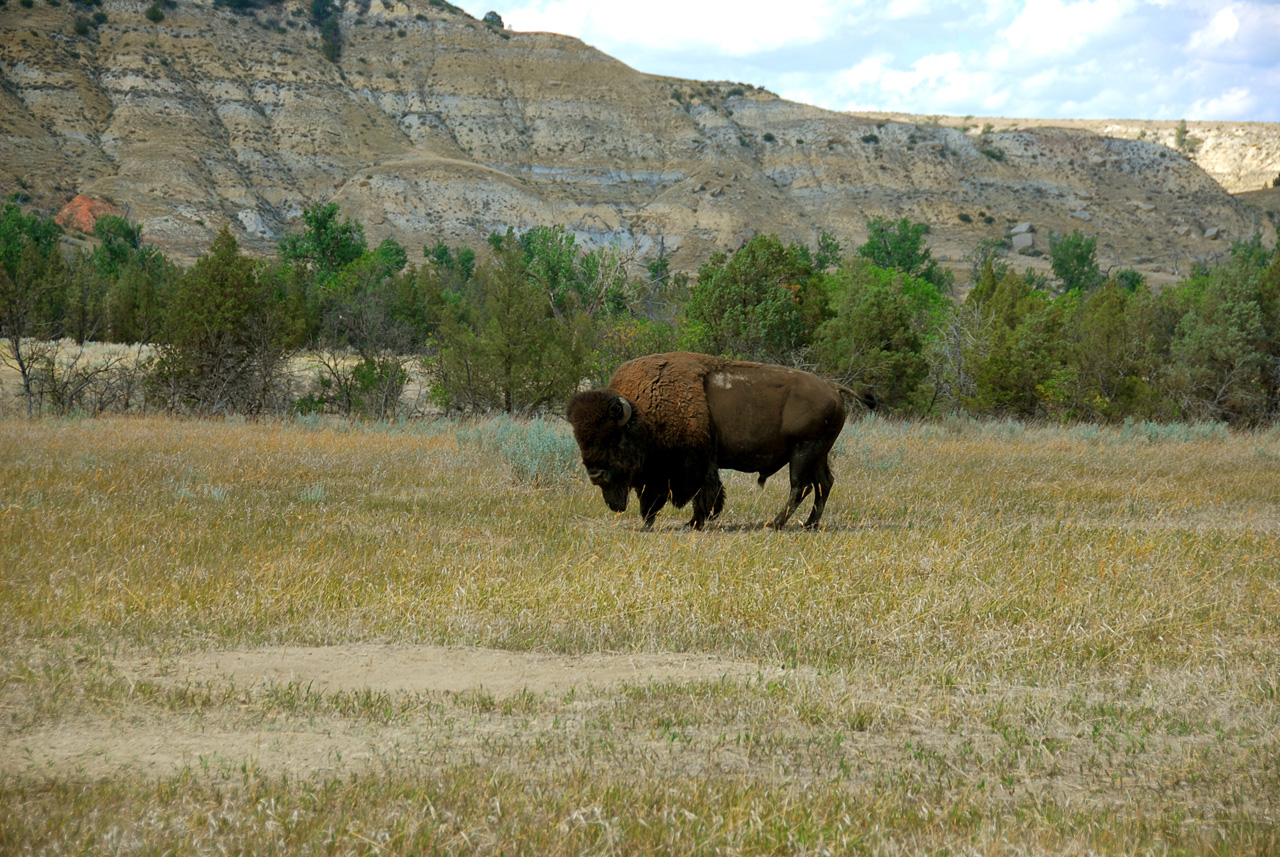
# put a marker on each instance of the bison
(667, 423)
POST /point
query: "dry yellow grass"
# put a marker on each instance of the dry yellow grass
(1006, 640)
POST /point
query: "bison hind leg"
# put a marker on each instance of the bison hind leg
(822, 490)
(809, 471)
(798, 493)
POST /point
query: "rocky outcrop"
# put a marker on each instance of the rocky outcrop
(83, 212)
(433, 126)
(1240, 156)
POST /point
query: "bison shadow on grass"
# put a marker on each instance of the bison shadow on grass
(667, 423)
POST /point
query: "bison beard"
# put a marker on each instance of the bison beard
(666, 424)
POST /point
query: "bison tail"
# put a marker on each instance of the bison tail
(867, 397)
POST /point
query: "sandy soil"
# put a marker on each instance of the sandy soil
(153, 743)
(431, 669)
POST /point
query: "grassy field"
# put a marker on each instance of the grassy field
(1006, 640)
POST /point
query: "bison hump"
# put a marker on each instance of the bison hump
(668, 390)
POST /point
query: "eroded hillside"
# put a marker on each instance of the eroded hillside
(435, 126)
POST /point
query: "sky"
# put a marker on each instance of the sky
(1050, 59)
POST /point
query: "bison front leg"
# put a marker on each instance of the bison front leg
(709, 500)
(652, 499)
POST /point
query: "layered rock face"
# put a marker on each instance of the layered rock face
(433, 126)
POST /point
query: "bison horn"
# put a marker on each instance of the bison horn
(626, 411)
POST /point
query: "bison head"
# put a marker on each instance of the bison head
(608, 432)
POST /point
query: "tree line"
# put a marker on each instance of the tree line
(518, 325)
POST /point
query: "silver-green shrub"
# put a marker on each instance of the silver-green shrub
(540, 452)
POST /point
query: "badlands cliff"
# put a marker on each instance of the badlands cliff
(433, 126)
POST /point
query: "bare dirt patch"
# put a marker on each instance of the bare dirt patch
(446, 680)
(424, 669)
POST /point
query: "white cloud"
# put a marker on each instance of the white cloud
(942, 82)
(1053, 28)
(1123, 59)
(925, 72)
(1237, 101)
(1220, 30)
(869, 71)
(729, 29)
(906, 8)
(1240, 32)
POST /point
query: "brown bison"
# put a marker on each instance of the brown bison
(667, 423)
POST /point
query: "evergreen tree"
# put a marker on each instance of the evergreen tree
(505, 345)
(227, 335)
(762, 303)
(1013, 351)
(119, 244)
(84, 309)
(1107, 356)
(33, 287)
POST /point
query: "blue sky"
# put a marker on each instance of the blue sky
(1061, 59)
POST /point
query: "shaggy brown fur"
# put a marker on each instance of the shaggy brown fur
(667, 423)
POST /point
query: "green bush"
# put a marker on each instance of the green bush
(1224, 357)
(900, 245)
(883, 323)
(1010, 354)
(1075, 260)
(762, 303)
